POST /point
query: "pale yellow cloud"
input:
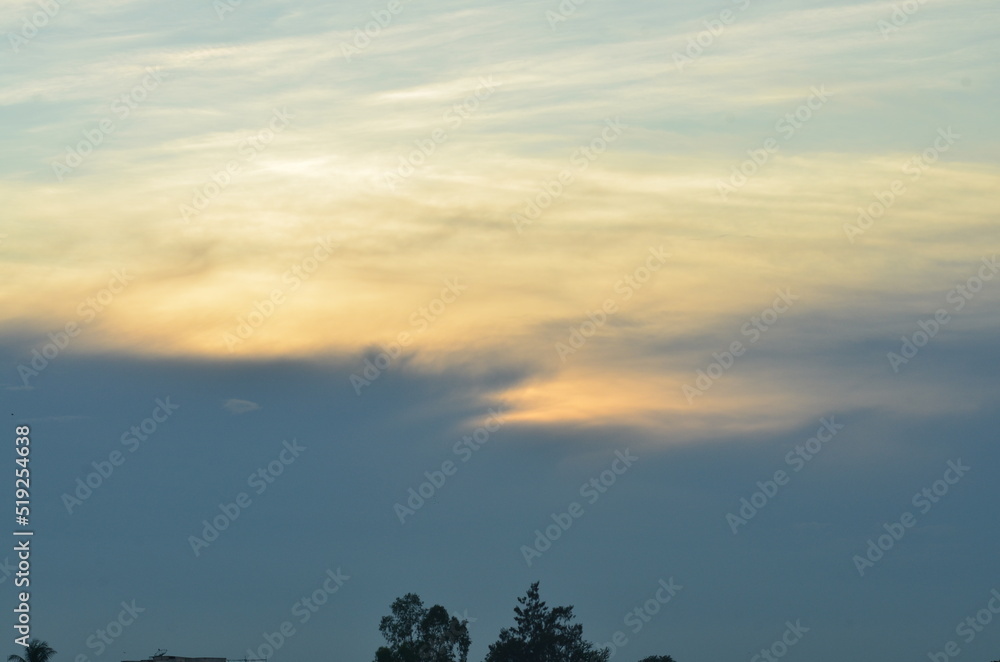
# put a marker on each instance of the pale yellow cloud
(249, 252)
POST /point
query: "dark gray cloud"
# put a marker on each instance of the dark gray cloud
(332, 506)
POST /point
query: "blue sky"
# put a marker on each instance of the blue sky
(687, 234)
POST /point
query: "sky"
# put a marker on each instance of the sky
(686, 310)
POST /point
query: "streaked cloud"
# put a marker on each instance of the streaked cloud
(323, 176)
(237, 406)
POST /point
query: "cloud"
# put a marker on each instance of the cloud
(237, 406)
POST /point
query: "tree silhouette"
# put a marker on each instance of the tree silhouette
(36, 651)
(543, 634)
(657, 658)
(417, 634)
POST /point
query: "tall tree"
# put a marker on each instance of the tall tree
(417, 634)
(543, 634)
(36, 651)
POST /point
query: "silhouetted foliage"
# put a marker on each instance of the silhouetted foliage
(35, 651)
(542, 634)
(417, 634)
(657, 658)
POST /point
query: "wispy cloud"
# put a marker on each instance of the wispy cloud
(237, 406)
